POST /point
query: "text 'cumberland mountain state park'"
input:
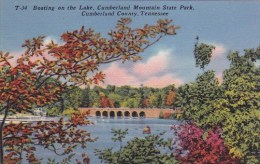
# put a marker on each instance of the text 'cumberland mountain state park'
(120, 10)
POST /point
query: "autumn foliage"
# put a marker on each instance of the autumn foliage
(194, 145)
(170, 98)
(167, 115)
(75, 62)
(145, 103)
(43, 72)
(25, 138)
(233, 105)
(105, 102)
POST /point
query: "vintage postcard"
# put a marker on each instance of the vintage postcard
(129, 81)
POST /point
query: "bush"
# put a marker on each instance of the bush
(69, 112)
(138, 150)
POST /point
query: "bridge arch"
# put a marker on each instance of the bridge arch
(98, 114)
(142, 114)
(112, 114)
(105, 114)
(127, 114)
(119, 114)
(134, 114)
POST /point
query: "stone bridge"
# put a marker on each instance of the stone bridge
(126, 112)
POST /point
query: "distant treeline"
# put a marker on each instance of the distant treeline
(116, 97)
(127, 96)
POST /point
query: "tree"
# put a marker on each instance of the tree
(111, 88)
(72, 98)
(198, 146)
(74, 63)
(130, 103)
(196, 100)
(123, 91)
(138, 150)
(93, 98)
(232, 106)
(145, 103)
(164, 92)
(152, 99)
(202, 54)
(237, 111)
(104, 101)
(159, 101)
(60, 137)
(115, 99)
(85, 102)
(170, 98)
(141, 101)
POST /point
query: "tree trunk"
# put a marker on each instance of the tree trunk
(1, 137)
(1, 146)
(62, 105)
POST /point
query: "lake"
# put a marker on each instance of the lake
(102, 130)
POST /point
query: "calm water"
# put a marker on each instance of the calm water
(102, 130)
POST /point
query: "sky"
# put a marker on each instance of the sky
(228, 25)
